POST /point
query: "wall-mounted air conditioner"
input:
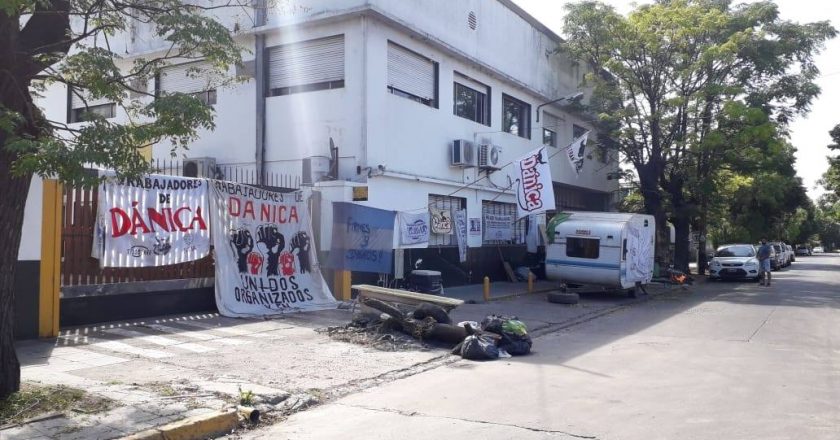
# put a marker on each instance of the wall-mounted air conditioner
(201, 167)
(315, 169)
(489, 157)
(463, 154)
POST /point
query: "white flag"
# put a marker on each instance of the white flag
(575, 152)
(535, 192)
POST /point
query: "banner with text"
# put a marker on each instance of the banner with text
(535, 190)
(266, 263)
(576, 151)
(498, 227)
(362, 238)
(461, 233)
(441, 221)
(151, 221)
(414, 228)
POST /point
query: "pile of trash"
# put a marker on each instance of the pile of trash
(495, 337)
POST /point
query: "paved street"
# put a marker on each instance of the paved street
(727, 361)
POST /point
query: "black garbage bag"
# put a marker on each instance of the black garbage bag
(437, 312)
(479, 348)
(514, 335)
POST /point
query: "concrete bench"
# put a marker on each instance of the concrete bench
(405, 296)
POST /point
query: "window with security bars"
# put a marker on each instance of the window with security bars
(500, 208)
(575, 199)
(452, 204)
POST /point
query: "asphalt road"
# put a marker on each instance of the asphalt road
(723, 361)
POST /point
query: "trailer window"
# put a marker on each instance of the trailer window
(583, 247)
(624, 250)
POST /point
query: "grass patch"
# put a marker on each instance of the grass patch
(33, 400)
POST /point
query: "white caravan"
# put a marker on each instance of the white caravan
(608, 249)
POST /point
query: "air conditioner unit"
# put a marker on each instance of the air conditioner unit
(315, 169)
(489, 157)
(201, 167)
(463, 154)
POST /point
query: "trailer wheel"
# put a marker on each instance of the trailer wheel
(563, 298)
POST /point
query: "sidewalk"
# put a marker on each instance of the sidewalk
(163, 369)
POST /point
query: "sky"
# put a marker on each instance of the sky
(809, 134)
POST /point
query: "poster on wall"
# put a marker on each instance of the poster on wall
(414, 228)
(266, 263)
(150, 221)
(441, 221)
(535, 190)
(362, 238)
(498, 227)
(461, 233)
(475, 226)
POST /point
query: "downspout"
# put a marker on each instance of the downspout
(260, 14)
(363, 151)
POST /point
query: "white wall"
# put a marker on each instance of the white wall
(30, 240)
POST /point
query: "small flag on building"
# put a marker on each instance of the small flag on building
(575, 152)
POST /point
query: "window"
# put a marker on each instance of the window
(505, 209)
(516, 117)
(551, 126)
(579, 247)
(452, 204)
(306, 66)
(84, 108)
(412, 75)
(471, 100)
(188, 78)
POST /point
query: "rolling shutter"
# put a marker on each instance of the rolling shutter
(184, 78)
(307, 62)
(410, 73)
(76, 100)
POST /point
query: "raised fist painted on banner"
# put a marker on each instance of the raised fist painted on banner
(287, 264)
(300, 243)
(255, 262)
(242, 243)
(273, 242)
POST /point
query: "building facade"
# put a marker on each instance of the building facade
(394, 86)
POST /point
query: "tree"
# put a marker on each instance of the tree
(671, 71)
(51, 42)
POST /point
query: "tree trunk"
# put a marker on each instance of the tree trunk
(682, 229)
(702, 258)
(12, 204)
(648, 184)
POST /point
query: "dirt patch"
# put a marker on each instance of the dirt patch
(35, 400)
(375, 334)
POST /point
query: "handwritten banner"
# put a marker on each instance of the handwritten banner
(362, 238)
(266, 262)
(414, 228)
(441, 221)
(498, 227)
(151, 221)
(461, 233)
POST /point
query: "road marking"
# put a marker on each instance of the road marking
(125, 348)
(198, 335)
(159, 340)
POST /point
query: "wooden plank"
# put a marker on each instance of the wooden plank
(405, 296)
(509, 271)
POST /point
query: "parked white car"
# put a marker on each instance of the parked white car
(781, 251)
(818, 250)
(734, 261)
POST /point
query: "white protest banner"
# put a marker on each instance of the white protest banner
(441, 221)
(266, 263)
(535, 191)
(498, 227)
(575, 152)
(461, 233)
(475, 226)
(414, 228)
(151, 221)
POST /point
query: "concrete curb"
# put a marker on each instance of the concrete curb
(192, 428)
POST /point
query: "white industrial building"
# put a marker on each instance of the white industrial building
(396, 85)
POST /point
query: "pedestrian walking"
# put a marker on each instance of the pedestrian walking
(764, 252)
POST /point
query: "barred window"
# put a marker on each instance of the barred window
(499, 208)
(452, 204)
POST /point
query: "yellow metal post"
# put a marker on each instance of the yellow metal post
(486, 288)
(342, 285)
(50, 279)
(530, 281)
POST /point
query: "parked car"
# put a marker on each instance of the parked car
(818, 250)
(734, 261)
(791, 253)
(775, 258)
(781, 254)
(803, 250)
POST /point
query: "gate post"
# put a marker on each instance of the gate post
(50, 282)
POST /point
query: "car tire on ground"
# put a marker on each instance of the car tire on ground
(563, 298)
